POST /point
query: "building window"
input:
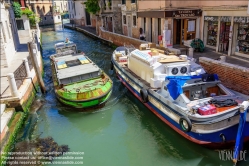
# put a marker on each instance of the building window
(45, 18)
(144, 24)
(38, 9)
(50, 9)
(212, 33)
(159, 26)
(123, 1)
(134, 18)
(52, 18)
(133, 1)
(33, 8)
(43, 8)
(124, 19)
(58, 17)
(19, 24)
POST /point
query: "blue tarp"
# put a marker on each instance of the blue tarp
(176, 83)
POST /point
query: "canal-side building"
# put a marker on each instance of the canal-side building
(109, 16)
(225, 28)
(45, 10)
(129, 18)
(221, 26)
(177, 22)
(9, 35)
(80, 13)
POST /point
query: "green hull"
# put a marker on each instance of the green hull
(86, 104)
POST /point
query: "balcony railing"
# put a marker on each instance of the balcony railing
(133, 7)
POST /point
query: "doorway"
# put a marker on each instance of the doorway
(224, 37)
(177, 31)
(129, 25)
(88, 19)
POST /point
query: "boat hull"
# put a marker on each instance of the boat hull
(90, 93)
(97, 102)
(210, 139)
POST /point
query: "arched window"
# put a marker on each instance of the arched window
(43, 8)
(50, 9)
(38, 9)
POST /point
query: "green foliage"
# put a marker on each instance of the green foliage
(109, 4)
(17, 9)
(27, 12)
(12, 139)
(92, 6)
(33, 19)
(197, 44)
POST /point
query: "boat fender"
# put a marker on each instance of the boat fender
(223, 138)
(144, 95)
(111, 66)
(185, 124)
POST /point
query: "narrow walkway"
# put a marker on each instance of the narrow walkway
(208, 52)
(87, 28)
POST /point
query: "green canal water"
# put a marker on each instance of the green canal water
(124, 132)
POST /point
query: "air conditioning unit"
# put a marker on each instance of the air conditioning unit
(177, 69)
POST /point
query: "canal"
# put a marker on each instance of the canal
(124, 132)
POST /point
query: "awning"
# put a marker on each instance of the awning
(151, 14)
(172, 13)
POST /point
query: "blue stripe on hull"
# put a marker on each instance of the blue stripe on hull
(229, 133)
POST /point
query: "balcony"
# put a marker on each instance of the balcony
(133, 7)
(123, 7)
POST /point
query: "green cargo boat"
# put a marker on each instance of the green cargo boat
(78, 82)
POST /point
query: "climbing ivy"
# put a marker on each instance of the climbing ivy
(92, 6)
(17, 9)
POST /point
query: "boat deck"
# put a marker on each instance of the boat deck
(87, 85)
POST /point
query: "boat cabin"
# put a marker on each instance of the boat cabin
(76, 68)
(65, 48)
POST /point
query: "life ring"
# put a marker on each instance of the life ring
(185, 124)
(144, 95)
(111, 66)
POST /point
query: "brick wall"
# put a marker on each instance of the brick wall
(98, 25)
(93, 22)
(120, 40)
(232, 76)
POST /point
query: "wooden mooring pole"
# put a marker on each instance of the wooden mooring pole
(33, 52)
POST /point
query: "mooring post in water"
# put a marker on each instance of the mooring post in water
(240, 134)
(33, 52)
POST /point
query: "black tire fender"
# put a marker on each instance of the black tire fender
(111, 66)
(185, 124)
(144, 95)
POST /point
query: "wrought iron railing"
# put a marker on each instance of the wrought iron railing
(20, 72)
